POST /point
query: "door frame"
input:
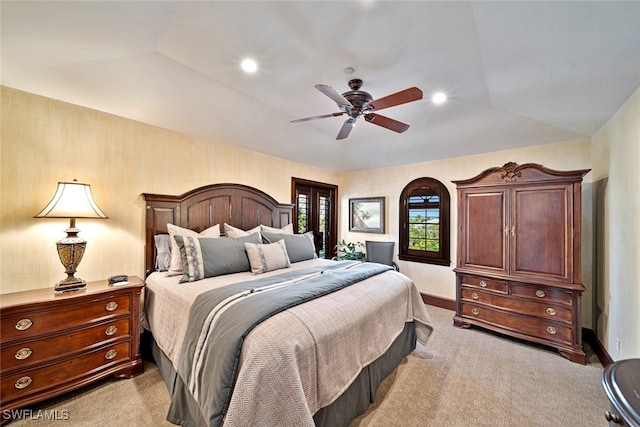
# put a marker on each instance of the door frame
(333, 229)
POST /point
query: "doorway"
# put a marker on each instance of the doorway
(316, 210)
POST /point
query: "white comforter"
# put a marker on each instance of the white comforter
(302, 359)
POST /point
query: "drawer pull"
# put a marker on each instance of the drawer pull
(24, 324)
(551, 311)
(112, 306)
(551, 330)
(23, 382)
(111, 330)
(475, 311)
(23, 353)
(483, 283)
(475, 295)
(612, 418)
(110, 354)
(540, 294)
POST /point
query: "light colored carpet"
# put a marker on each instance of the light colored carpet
(461, 378)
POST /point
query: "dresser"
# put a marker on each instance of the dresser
(53, 343)
(518, 256)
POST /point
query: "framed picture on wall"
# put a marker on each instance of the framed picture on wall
(366, 215)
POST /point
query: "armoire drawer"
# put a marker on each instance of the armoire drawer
(542, 293)
(553, 312)
(483, 283)
(528, 325)
(41, 322)
(26, 353)
(54, 375)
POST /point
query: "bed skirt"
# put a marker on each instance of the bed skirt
(352, 403)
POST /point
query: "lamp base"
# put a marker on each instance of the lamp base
(69, 284)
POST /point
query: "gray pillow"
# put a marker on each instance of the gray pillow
(208, 257)
(300, 247)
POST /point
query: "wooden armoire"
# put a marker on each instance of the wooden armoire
(518, 267)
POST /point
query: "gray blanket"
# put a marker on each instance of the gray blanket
(220, 320)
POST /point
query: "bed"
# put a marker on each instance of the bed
(255, 329)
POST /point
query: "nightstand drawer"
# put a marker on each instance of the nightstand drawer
(55, 375)
(31, 352)
(542, 293)
(542, 310)
(35, 323)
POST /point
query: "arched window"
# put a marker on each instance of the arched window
(424, 222)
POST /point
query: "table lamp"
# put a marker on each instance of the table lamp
(72, 200)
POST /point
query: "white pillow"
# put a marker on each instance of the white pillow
(175, 268)
(287, 229)
(234, 232)
(267, 257)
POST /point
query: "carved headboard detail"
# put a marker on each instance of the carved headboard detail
(235, 204)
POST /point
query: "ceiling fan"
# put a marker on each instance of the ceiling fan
(356, 103)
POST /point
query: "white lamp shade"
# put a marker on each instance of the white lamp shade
(72, 200)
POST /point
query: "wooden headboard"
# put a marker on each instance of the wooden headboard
(235, 204)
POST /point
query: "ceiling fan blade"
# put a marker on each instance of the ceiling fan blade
(345, 130)
(324, 116)
(386, 122)
(402, 97)
(333, 94)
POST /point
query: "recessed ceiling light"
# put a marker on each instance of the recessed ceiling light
(249, 65)
(439, 97)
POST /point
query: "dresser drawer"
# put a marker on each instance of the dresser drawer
(31, 352)
(551, 331)
(479, 282)
(542, 293)
(55, 375)
(34, 323)
(532, 308)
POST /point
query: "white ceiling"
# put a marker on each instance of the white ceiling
(517, 73)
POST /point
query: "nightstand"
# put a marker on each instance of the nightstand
(54, 343)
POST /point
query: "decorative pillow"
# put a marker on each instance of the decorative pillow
(233, 232)
(175, 267)
(287, 229)
(209, 257)
(163, 252)
(300, 247)
(267, 257)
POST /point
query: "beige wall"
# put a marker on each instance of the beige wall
(616, 177)
(389, 182)
(45, 141)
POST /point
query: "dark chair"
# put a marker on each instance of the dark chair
(381, 252)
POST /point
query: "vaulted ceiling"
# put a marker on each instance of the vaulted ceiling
(516, 73)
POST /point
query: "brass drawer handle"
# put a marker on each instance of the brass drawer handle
(551, 311)
(483, 283)
(23, 353)
(551, 330)
(475, 295)
(111, 330)
(24, 324)
(110, 354)
(112, 306)
(475, 311)
(23, 382)
(540, 294)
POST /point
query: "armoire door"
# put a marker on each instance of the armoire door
(483, 230)
(541, 232)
